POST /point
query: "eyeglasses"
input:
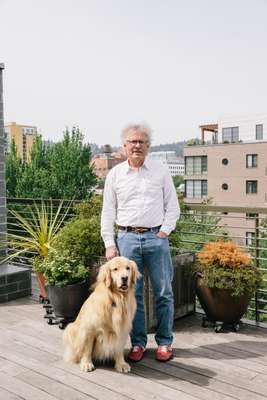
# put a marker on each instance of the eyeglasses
(135, 142)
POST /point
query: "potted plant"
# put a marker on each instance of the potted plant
(35, 230)
(226, 281)
(66, 281)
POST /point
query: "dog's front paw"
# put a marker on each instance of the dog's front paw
(86, 366)
(123, 367)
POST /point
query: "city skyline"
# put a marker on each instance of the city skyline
(103, 64)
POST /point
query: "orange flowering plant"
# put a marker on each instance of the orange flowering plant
(224, 265)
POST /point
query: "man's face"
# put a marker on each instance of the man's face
(136, 146)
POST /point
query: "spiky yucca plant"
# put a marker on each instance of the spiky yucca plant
(38, 232)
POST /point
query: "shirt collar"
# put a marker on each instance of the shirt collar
(128, 169)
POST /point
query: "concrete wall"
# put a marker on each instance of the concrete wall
(246, 123)
(234, 174)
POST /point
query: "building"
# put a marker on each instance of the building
(23, 135)
(175, 164)
(105, 161)
(230, 166)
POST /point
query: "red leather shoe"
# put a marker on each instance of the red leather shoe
(164, 353)
(136, 354)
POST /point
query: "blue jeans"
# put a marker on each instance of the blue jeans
(152, 252)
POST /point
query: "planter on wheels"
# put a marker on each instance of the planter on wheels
(220, 306)
(67, 301)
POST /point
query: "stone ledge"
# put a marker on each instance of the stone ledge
(15, 282)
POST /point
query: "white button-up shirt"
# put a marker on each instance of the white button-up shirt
(145, 197)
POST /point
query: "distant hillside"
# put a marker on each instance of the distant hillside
(178, 147)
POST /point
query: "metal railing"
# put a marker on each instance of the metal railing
(198, 224)
(245, 226)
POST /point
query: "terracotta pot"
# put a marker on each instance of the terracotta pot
(220, 304)
(41, 283)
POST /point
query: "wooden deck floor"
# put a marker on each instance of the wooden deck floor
(206, 365)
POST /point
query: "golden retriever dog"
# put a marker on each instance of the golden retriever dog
(104, 322)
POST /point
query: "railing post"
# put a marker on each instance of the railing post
(3, 227)
(257, 263)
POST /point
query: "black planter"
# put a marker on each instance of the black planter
(67, 300)
(220, 305)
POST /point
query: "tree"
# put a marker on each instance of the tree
(58, 171)
(13, 170)
(35, 178)
(177, 180)
(72, 176)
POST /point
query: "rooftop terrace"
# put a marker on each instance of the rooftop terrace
(207, 365)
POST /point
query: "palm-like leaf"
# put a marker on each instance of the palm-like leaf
(38, 232)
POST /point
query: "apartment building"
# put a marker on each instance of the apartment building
(23, 135)
(105, 161)
(175, 164)
(230, 167)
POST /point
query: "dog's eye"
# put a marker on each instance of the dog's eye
(128, 268)
(115, 269)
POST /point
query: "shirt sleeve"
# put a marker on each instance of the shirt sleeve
(171, 204)
(109, 212)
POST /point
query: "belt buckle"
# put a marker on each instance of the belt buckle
(140, 230)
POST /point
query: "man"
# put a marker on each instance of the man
(140, 198)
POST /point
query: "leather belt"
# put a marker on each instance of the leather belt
(137, 229)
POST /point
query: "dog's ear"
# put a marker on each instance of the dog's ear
(104, 274)
(135, 273)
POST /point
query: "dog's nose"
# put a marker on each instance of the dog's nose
(124, 279)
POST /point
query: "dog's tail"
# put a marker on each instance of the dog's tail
(73, 350)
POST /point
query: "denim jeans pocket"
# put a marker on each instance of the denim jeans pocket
(121, 234)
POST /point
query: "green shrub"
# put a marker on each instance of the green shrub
(224, 265)
(90, 208)
(61, 269)
(81, 239)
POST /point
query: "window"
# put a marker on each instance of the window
(251, 215)
(249, 238)
(259, 132)
(224, 186)
(252, 160)
(230, 134)
(196, 188)
(224, 161)
(251, 187)
(196, 165)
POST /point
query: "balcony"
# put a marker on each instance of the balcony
(206, 365)
(198, 224)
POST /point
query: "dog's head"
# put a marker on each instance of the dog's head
(119, 273)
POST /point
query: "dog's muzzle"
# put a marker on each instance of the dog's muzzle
(124, 283)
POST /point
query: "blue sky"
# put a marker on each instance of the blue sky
(101, 64)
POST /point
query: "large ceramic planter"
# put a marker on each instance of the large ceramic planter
(220, 306)
(67, 300)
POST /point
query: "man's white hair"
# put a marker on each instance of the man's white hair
(140, 128)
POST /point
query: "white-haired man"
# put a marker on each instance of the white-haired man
(140, 198)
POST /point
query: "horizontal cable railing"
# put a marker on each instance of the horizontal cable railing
(203, 223)
(26, 208)
(198, 224)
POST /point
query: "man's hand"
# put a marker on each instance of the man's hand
(162, 234)
(111, 252)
